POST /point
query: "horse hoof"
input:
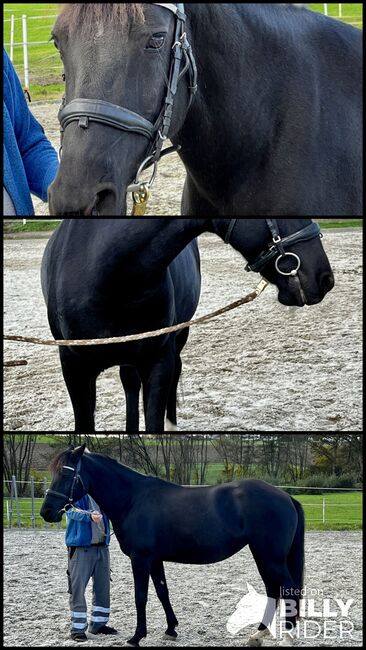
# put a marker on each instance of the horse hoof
(287, 641)
(256, 639)
(169, 426)
(170, 637)
(132, 644)
(254, 643)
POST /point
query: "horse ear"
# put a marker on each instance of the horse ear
(78, 452)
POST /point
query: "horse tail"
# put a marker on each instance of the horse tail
(296, 556)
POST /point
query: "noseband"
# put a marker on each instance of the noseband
(75, 480)
(84, 111)
(277, 248)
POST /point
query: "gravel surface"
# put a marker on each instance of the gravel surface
(264, 367)
(36, 609)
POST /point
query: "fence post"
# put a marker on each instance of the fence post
(25, 53)
(11, 506)
(15, 492)
(33, 518)
(323, 510)
(12, 24)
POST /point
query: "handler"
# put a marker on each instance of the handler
(87, 539)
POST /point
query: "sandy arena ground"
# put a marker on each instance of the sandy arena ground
(36, 609)
(264, 367)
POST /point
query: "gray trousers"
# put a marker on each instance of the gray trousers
(85, 563)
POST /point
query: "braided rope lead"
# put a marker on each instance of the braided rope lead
(147, 335)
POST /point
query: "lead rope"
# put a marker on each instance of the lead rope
(88, 512)
(147, 335)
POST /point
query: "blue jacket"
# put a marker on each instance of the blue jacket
(79, 526)
(30, 161)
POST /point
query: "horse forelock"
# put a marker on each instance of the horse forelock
(85, 18)
(63, 458)
(58, 462)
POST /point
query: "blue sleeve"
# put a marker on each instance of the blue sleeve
(77, 516)
(30, 160)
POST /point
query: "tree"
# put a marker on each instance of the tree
(18, 455)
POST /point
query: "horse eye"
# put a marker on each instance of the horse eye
(156, 42)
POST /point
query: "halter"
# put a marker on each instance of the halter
(84, 111)
(277, 248)
(75, 480)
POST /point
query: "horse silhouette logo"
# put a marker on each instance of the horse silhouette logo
(253, 609)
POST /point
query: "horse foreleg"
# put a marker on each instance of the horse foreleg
(81, 384)
(162, 592)
(141, 574)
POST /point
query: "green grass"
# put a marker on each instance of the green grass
(352, 13)
(30, 226)
(341, 223)
(25, 508)
(47, 225)
(343, 511)
(45, 67)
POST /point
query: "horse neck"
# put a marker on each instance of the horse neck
(235, 78)
(111, 485)
(156, 243)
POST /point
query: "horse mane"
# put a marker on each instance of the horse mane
(85, 18)
(56, 464)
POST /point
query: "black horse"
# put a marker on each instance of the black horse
(114, 277)
(264, 101)
(156, 521)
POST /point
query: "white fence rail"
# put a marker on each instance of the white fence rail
(328, 8)
(23, 512)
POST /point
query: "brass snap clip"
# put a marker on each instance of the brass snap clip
(140, 201)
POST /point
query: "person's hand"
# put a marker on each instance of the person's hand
(96, 517)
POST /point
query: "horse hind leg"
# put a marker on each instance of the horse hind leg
(131, 383)
(171, 420)
(157, 380)
(255, 641)
(279, 583)
(264, 628)
(171, 416)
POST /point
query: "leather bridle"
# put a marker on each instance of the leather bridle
(276, 249)
(84, 111)
(75, 480)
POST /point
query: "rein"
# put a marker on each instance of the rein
(147, 335)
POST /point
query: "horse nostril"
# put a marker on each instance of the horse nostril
(327, 282)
